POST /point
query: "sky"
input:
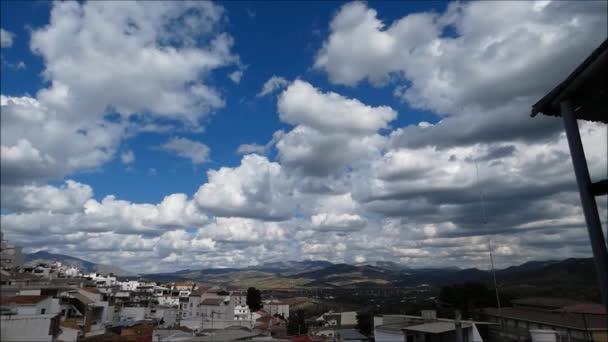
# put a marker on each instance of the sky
(161, 136)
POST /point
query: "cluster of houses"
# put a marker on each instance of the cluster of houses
(56, 302)
(59, 303)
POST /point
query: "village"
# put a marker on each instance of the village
(304, 171)
(57, 302)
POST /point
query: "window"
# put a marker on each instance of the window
(577, 334)
(42, 311)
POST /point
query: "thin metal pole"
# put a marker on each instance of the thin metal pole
(594, 226)
(485, 221)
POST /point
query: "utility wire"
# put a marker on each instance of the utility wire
(490, 249)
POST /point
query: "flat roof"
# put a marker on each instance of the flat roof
(435, 327)
(27, 300)
(560, 319)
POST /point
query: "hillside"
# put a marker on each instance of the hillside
(84, 265)
(560, 277)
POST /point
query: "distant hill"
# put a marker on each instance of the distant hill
(292, 267)
(534, 277)
(272, 273)
(84, 265)
(573, 278)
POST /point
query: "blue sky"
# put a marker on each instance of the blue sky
(382, 112)
(270, 38)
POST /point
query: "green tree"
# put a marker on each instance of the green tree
(468, 297)
(365, 322)
(296, 324)
(254, 299)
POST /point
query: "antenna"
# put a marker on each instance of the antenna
(490, 249)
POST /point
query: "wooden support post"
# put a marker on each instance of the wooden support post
(594, 226)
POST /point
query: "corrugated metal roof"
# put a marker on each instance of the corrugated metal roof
(586, 308)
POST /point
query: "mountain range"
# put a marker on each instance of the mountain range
(84, 265)
(561, 276)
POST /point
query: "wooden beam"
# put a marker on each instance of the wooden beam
(599, 188)
(592, 218)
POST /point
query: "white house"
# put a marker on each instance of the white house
(135, 313)
(242, 313)
(422, 328)
(276, 307)
(166, 315)
(130, 285)
(71, 272)
(190, 307)
(101, 280)
(29, 327)
(168, 300)
(31, 305)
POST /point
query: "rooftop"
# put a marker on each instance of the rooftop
(90, 289)
(586, 87)
(561, 319)
(586, 308)
(435, 327)
(186, 283)
(351, 334)
(545, 302)
(212, 301)
(26, 300)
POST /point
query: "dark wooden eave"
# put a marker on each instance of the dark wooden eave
(586, 87)
(599, 188)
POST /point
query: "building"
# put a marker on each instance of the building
(35, 327)
(86, 311)
(29, 318)
(424, 328)
(166, 316)
(238, 297)
(346, 319)
(350, 335)
(134, 313)
(184, 289)
(31, 305)
(570, 320)
(10, 256)
(220, 308)
(242, 313)
(276, 307)
(218, 313)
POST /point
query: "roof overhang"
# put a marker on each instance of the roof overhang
(586, 88)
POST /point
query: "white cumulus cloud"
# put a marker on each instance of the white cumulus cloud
(186, 148)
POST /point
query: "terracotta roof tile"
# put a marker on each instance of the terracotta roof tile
(91, 289)
(22, 299)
